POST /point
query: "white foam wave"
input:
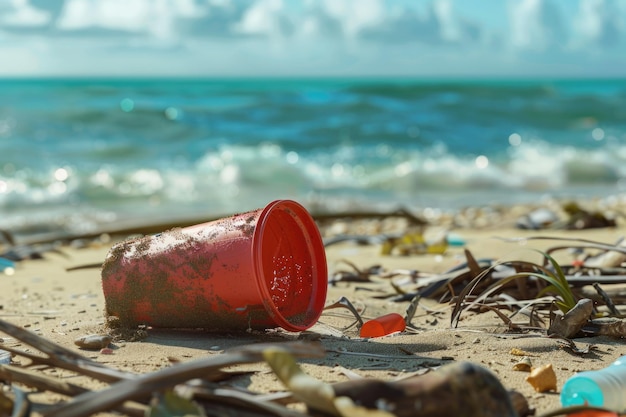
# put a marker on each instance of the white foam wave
(233, 178)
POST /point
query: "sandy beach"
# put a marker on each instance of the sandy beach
(42, 296)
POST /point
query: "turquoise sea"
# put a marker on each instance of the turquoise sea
(80, 155)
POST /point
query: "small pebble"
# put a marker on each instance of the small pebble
(93, 341)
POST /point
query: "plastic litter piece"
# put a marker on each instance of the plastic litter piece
(455, 240)
(261, 269)
(383, 325)
(6, 263)
(602, 388)
(593, 413)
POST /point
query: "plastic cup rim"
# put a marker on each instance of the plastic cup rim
(320, 266)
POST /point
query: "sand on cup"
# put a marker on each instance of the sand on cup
(261, 269)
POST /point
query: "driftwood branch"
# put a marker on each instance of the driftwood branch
(127, 386)
(59, 356)
(140, 386)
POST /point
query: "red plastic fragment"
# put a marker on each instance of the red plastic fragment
(383, 325)
(593, 413)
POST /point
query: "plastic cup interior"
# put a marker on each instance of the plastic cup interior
(291, 265)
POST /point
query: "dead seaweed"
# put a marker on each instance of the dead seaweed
(520, 286)
(355, 274)
(343, 302)
(520, 271)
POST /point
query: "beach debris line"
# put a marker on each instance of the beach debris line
(457, 389)
(409, 238)
(23, 252)
(526, 289)
(413, 243)
(580, 218)
(528, 286)
(13, 251)
(537, 219)
(574, 217)
(576, 316)
(337, 221)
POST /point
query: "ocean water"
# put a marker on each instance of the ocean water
(85, 155)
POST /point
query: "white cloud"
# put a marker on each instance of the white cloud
(535, 25)
(155, 18)
(385, 21)
(451, 27)
(20, 13)
(598, 23)
(121, 15)
(264, 17)
(448, 25)
(354, 16)
(317, 24)
(208, 37)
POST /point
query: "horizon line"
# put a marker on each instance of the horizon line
(381, 77)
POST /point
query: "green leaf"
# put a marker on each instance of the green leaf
(563, 306)
(557, 283)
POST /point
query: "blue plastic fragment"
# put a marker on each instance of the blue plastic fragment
(455, 240)
(6, 263)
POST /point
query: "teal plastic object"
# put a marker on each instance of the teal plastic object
(455, 240)
(6, 263)
(602, 388)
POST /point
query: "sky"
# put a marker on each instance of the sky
(409, 38)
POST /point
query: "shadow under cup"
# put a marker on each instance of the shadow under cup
(261, 269)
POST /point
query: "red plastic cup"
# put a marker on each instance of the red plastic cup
(261, 269)
(383, 325)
